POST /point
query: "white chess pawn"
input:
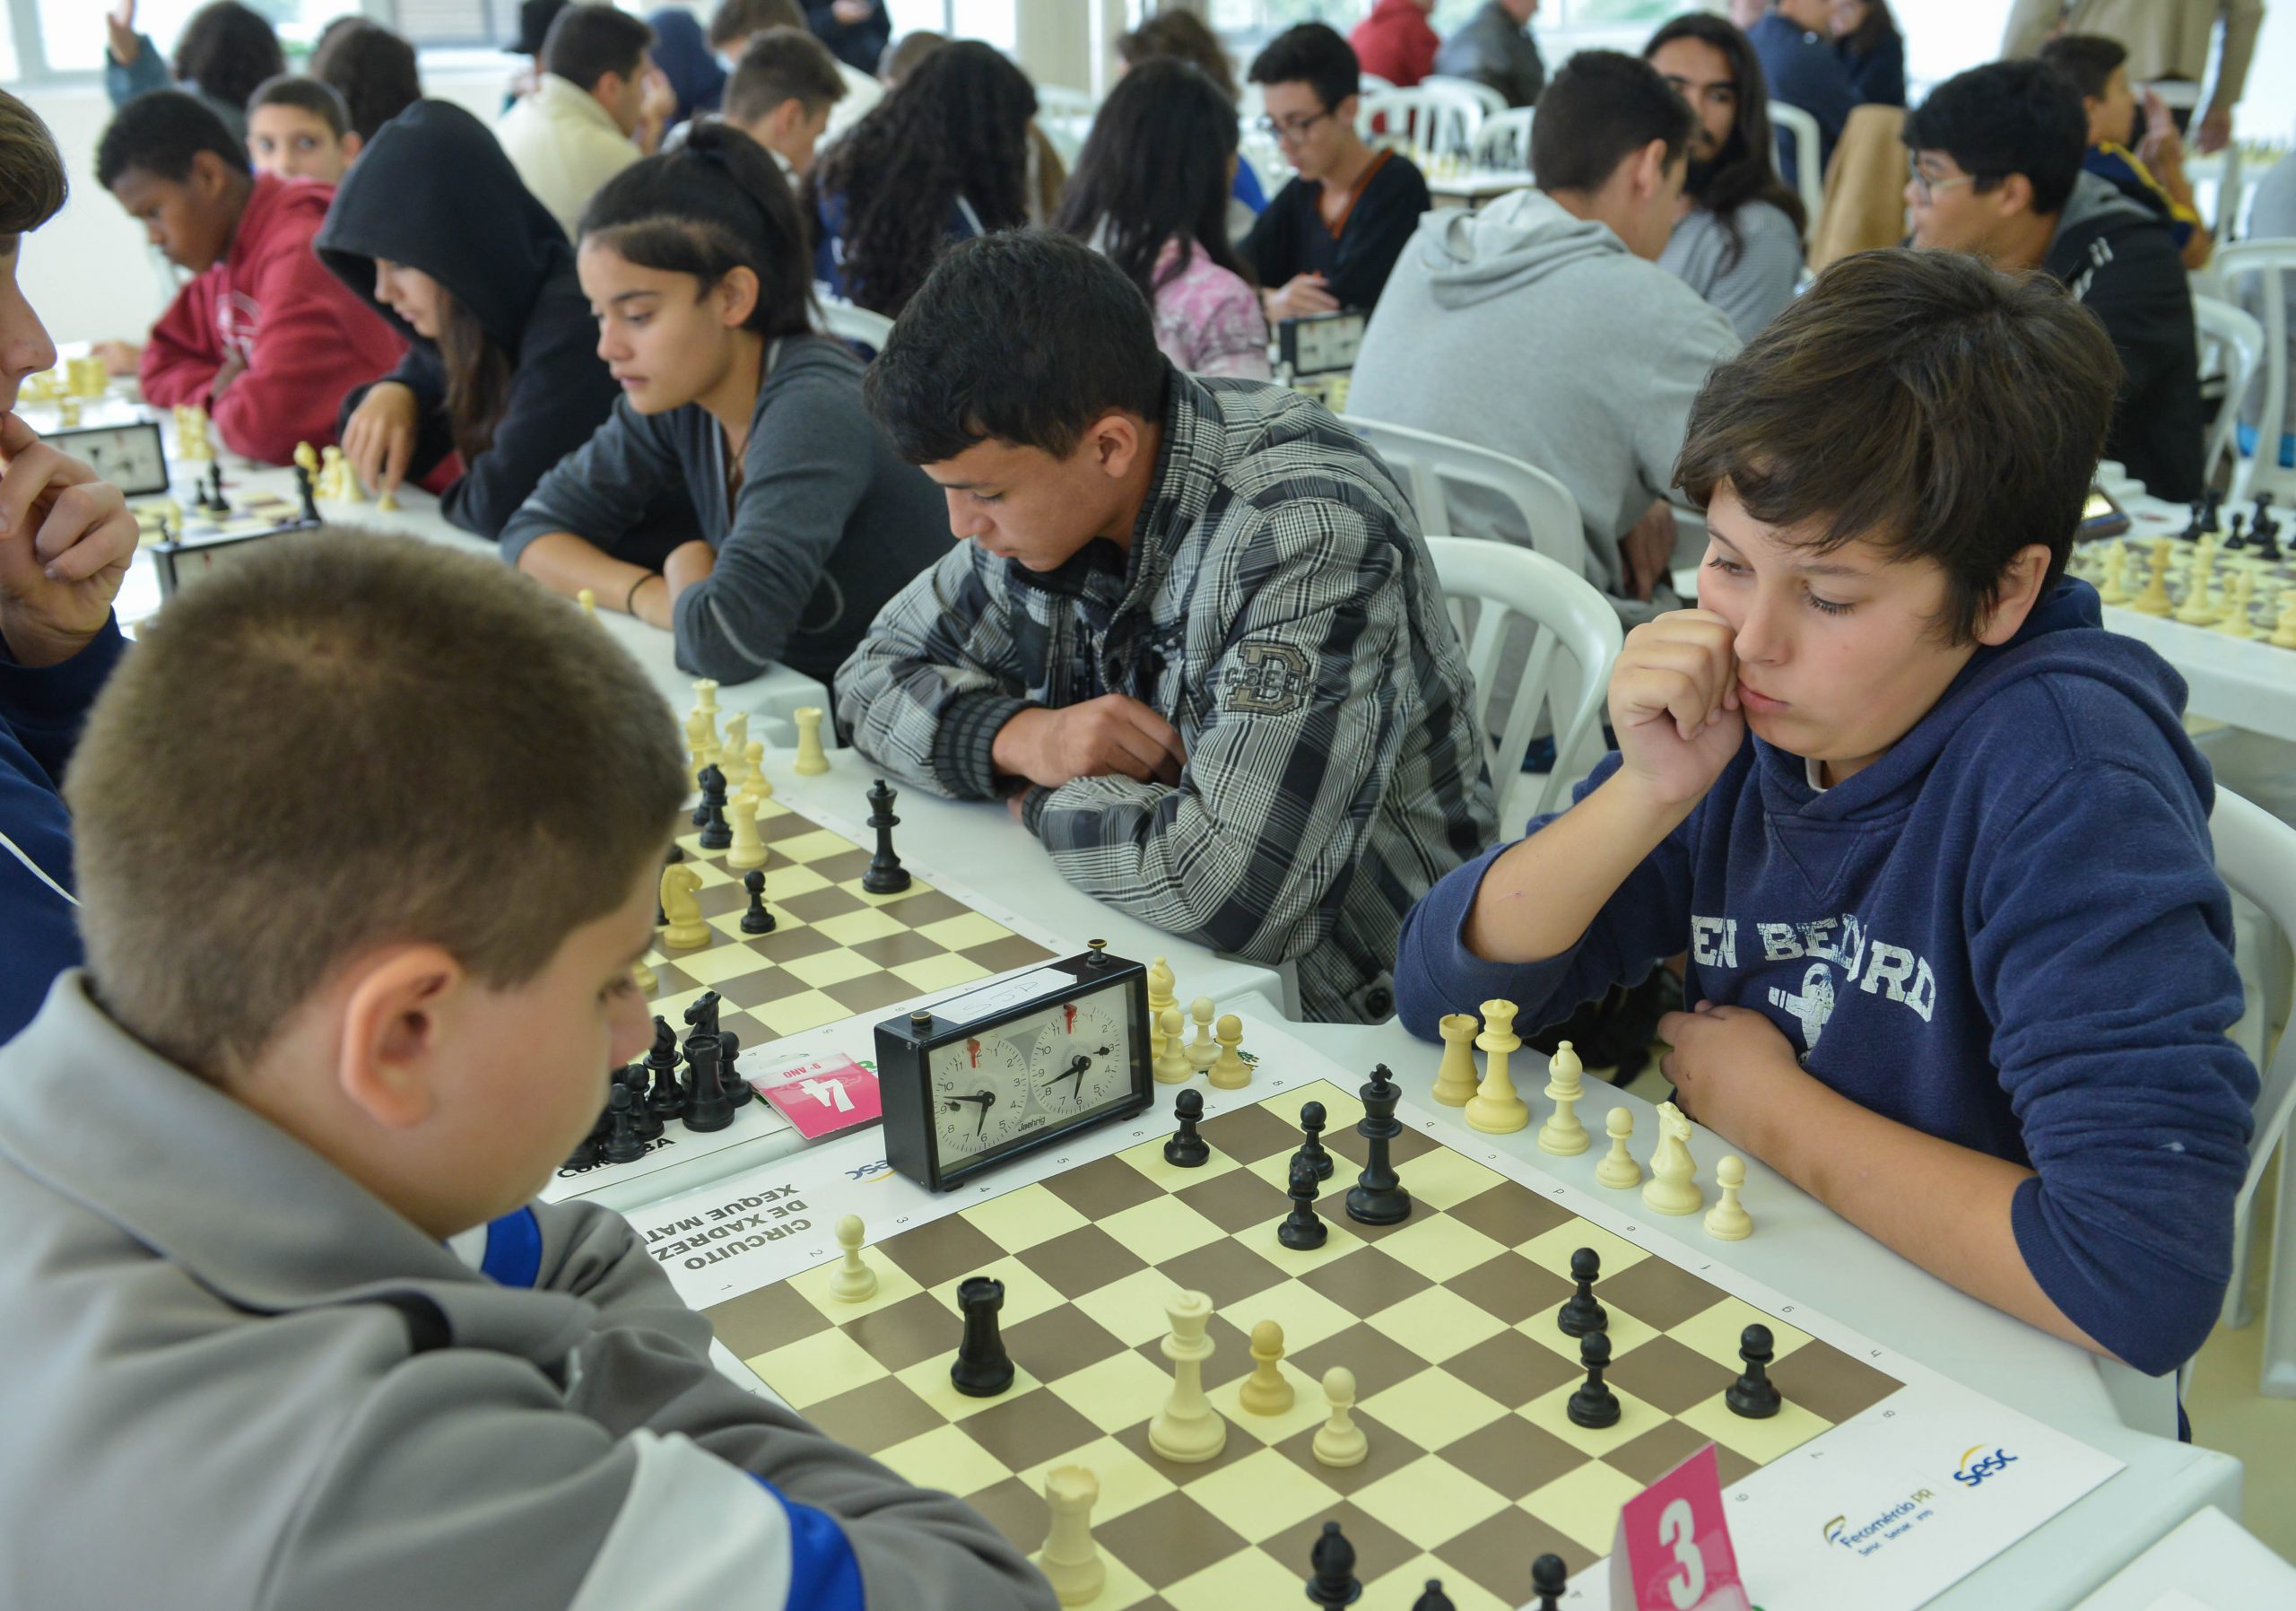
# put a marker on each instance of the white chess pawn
(812, 759)
(756, 783)
(1456, 1079)
(2115, 589)
(1727, 1220)
(1339, 1442)
(1619, 1170)
(588, 601)
(1171, 1066)
(748, 850)
(1563, 1134)
(1495, 1109)
(1229, 1071)
(1188, 1430)
(2283, 630)
(2238, 596)
(643, 976)
(1265, 1391)
(1203, 1050)
(1070, 1560)
(854, 1282)
(1672, 1188)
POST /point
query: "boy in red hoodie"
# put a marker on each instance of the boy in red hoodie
(1396, 42)
(264, 337)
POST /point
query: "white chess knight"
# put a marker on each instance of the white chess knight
(1672, 1188)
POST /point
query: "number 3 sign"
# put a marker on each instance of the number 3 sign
(1672, 1552)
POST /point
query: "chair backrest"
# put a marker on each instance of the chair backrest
(1429, 116)
(2232, 344)
(2270, 263)
(1428, 465)
(848, 322)
(1809, 173)
(2256, 856)
(1490, 100)
(1505, 139)
(1511, 586)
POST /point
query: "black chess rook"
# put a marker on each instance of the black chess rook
(706, 1105)
(982, 1369)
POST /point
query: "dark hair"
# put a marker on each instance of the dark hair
(714, 204)
(1183, 35)
(2007, 118)
(478, 377)
(2087, 59)
(956, 127)
(372, 69)
(1922, 400)
(1746, 170)
(227, 50)
(160, 133)
(1599, 110)
(783, 65)
(1155, 170)
(33, 185)
(1312, 54)
(738, 19)
(337, 660)
(586, 42)
(304, 94)
(1868, 36)
(1026, 337)
(899, 56)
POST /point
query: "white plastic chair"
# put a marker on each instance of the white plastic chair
(1809, 173)
(1512, 586)
(1366, 83)
(1428, 463)
(849, 322)
(2269, 262)
(2256, 856)
(1492, 101)
(1429, 117)
(1504, 141)
(2232, 344)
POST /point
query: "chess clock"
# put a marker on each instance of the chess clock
(184, 560)
(129, 457)
(1319, 343)
(1000, 1071)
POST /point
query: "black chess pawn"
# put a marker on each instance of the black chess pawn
(706, 1105)
(1378, 1197)
(886, 875)
(2235, 540)
(585, 1155)
(2210, 521)
(622, 1144)
(1580, 1313)
(1753, 1395)
(2192, 527)
(668, 1097)
(737, 1089)
(757, 920)
(1593, 1405)
(716, 833)
(1549, 1579)
(2263, 521)
(1311, 1125)
(304, 491)
(1332, 1560)
(646, 1122)
(982, 1369)
(1186, 1149)
(1432, 1598)
(1303, 1228)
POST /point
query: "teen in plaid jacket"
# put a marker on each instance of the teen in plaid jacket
(1195, 636)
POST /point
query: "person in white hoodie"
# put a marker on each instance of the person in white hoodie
(1543, 327)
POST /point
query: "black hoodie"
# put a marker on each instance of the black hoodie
(432, 191)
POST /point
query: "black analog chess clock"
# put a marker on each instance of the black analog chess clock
(999, 1072)
(129, 456)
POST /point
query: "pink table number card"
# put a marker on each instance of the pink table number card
(1672, 1551)
(823, 1095)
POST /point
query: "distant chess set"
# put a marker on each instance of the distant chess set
(2226, 573)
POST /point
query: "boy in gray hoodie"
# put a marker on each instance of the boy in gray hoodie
(360, 949)
(1543, 328)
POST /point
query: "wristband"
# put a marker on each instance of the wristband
(629, 599)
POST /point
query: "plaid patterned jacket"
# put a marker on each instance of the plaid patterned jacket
(1279, 608)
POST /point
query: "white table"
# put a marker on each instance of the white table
(1472, 186)
(1802, 1248)
(2211, 1561)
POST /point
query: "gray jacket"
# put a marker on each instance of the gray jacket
(1532, 333)
(1749, 279)
(830, 522)
(1493, 48)
(236, 1379)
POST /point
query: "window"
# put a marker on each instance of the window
(49, 39)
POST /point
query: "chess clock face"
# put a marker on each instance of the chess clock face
(997, 1072)
(129, 457)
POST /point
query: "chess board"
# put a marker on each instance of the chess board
(2271, 584)
(254, 515)
(1448, 1321)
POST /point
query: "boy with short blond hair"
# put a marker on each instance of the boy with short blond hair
(1935, 842)
(352, 995)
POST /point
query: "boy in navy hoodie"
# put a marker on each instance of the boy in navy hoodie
(1936, 843)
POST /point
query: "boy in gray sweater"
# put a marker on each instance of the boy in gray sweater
(267, 1163)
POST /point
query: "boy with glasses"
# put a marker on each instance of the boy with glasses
(1332, 234)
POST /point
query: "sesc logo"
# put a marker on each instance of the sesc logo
(1977, 1464)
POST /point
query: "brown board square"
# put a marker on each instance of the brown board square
(1028, 1428)
(1509, 1215)
(1380, 1549)
(1105, 1187)
(1829, 1383)
(1667, 1445)
(771, 1318)
(1080, 1261)
(1496, 1555)
(1366, 1281)
(999, 956)
(1248, 1134)
(894, 949)
(815, 906)
(1378, 1361)
(1168, 1539)
(1235, 1200)
(942, 1252)
(1231, 1351)
(1059, 1342)
(1512, 1457)
(902, 1333)
(1666, 1373)
(1511, 1368)
(1657, 1293)
(870, 993)
(1510, 1287)
(875, 1417)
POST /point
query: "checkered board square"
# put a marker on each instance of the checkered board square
(1448, 1321)
(835, 950)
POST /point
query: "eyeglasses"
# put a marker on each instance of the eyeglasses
(1925, 188)
(1290, 128)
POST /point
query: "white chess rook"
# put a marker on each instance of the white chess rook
(1070, 1560)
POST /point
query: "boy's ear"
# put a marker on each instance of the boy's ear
(2015, 598)
(2016, 194)
(352, 145)
(210, 175)
(397, 1013)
